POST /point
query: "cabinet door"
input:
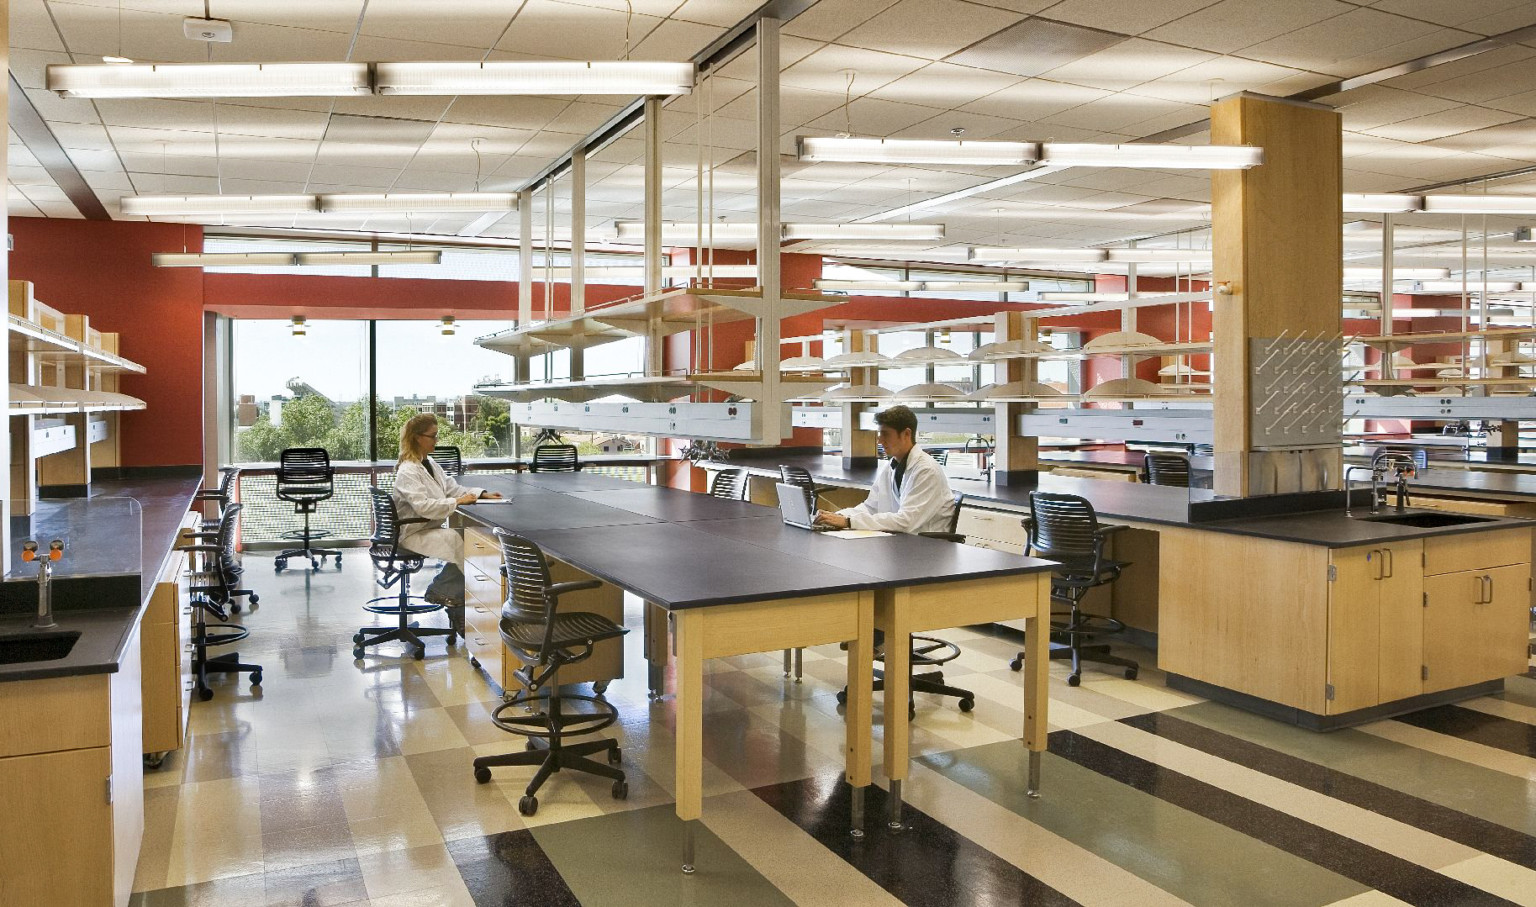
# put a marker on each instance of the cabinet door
(56, 830)
(1402, 622)
(1475, 626)
(1354, 628)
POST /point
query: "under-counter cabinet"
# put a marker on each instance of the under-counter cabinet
(1346, 634)
(71, 787)
(166, 631)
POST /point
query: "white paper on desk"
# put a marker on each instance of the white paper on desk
(855, 533)
(493, 501)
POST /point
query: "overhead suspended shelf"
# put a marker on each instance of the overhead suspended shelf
(1392, 340)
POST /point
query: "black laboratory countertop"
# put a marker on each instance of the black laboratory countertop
(109, 576)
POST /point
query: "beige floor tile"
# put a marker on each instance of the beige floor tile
(425, 730)
(1474, 753)
(1369, 899)
(397, 831)
(453, 894)
(212, 855)
(1138, 692)
(405, 869)
(1507, 880)
(1513, 711)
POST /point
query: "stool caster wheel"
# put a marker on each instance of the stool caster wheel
(451, 640)
(529, 745)
(153, 761)
(357, 652)
(1130, 673)
(621, 790)
(1016, 665)
(420, 653)
(967, 704)
(255, 598)
(1074, 680)
(474, 662)
(528, 805)
(234, 608)
(842, 697)
(615, 756)
(599, 687)
(482, 774)
(279, 564)
(255, 678)
(357, 638)
(338, 562)
(204, 693)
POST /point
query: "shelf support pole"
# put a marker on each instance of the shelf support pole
(1016, 457)
(578, 251)
(654, 344)
(769, 230)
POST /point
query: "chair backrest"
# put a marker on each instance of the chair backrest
(796, 475)
(940, 456)
(1063, 528)
(728, 484)
(449, 458)
(304, 472)
(229, 478)
(954, 515)
(226, 539)
(527, 577)
(386, 526)
(555, 458)
(1167, 469)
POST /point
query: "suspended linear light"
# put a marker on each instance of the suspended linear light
(402, 257)
(867, 285)
(1194, 256)
(1378, 203)
(803, 364)
(984, 253)
(1169, 157)
(1444, 287)
(543, 77)
(1013, 389)
(914, 151)
(404, 202)
(882, 232)
(221, 259)
(216, 205)
(1398, 273)
(1479, 204)
(976, 286)
(727, 232)
(209, 80)
(1118, 339)
(672, 271)
(1009, 349)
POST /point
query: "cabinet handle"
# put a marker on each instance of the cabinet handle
(1391, 565)
(1488, 590)
(1381, 563)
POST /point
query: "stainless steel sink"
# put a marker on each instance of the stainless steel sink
(1426, 520)
(19, 648)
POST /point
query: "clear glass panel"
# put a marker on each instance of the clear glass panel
(424, 371)
(897, 342)
(102, 537)
(299, 391)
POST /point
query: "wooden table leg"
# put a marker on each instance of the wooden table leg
(858, 721)
(893, 614)
(689, 634)
(1037, 672)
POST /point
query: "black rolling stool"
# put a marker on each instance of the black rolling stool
(448, 457)
(930, 651)
(396, 566)
(545, 640)
(555, 458)
(212, 594)
(224, 495)
(305, 478)
(729, 484)
(229, 478)
(1064, 528)
(1165, 469)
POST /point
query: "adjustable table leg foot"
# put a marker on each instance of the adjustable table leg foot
(1032, 790)
(857, 829)
(893, 816)
(688, 828)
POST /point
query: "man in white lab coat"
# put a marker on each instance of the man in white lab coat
(911, 494)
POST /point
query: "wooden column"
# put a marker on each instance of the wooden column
(1016, 459)
(1277, 244)
(67, 474)
(859, 446)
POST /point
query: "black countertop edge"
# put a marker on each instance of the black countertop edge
(106, 631)
(1293, 528)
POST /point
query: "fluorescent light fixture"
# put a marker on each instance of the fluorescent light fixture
(1378, 203)
(298, 325)
(1443, 287)
(216, 205)
(676, 230)
(407, 202)
(1167, 157)
(673, 271)
(1194, 256)
(402, 257)
(209, 80)
(982, 253)
(1523, 234)
(915, 151)
(221, 259)
(869, 285)
(1398, 273)
(879, 232)
(976, 286)
(544, 77)
(116, 61)
(1479, 204)
(448, 326)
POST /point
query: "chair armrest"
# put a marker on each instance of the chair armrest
(956, 537)
(201, 548)
(1109, 529)
(414, 519)
(558, 589)
(199, 535)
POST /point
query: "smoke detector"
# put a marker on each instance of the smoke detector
(214, 31)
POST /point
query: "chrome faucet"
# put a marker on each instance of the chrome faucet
(1378, 472)
(45, 619)
(1403, 467)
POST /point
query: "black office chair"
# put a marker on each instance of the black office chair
(305, 478)
(396, 566)
(223, 496)
(449, 458)
(212, 593)
(800, 477)
(1165, 469)
(538, 634)
(729, 484)
(1064, 528)
(229, 479)
(930, 651)
(555, 458)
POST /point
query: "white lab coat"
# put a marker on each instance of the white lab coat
(925, 502)
(429, 494)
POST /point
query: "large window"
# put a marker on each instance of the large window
(308, 391)
(421, 371)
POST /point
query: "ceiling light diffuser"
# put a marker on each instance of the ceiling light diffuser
(402, 257)
(544, 77)
(1193, 256)
(732, 232)
(408, 202)
(878, 232)
(1479, 204)
(216, 205)
(221, 259)
(1166, 157)
(914, 151)
(1381, 204)
(982, 253)
(208, 80)
(1398, 273)
(871, 285)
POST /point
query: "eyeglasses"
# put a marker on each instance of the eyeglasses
(433, 436)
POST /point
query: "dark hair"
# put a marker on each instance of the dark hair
(898, 418)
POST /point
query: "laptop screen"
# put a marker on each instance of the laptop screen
(795, 505)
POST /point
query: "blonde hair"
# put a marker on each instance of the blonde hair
(414, 427)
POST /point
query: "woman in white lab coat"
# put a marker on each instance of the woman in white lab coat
(423, 490)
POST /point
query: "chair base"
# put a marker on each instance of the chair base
(546, 747)
(228, 663)
(316, 557)
(411, 634)
(927, 682)
(1096, 654)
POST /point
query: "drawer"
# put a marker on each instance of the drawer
(1476, 551)
(484, 591)
(486, 650)
(995, 525)
(483, 618)
(480, 544)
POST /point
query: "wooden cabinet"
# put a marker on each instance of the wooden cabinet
(1475, 626)
(1375, 629)
(71, 787)
(166, 631)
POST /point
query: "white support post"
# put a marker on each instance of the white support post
(653, 340)
(769, 228)
(525, 273)
(578, 251)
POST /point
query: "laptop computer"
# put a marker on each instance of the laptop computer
(796, 508)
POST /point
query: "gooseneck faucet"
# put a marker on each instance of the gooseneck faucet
(1377, 474)
(29, 552)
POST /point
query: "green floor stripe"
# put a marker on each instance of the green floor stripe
(1192, 857)
(635, 857)
(1476, 791)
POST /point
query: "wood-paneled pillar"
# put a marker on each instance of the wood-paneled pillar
(1016, 458)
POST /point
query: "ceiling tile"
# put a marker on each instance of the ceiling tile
(721, 13)
(1446, 123)
(519, 112)
(977, 127)
(825, 70)
(826, 20)
(674, 40)
(335, 17)
(797, 106)
(394, 133)
(1466, 66)
(377, 49)
(931, 29)
(1216, 78)
(1128, 17)
(1358, 41)
(1035, 46)
(1127, 64)
(944, 86)
(577, 32)
(470, 23)
(870, 116)
(1234, 24)
(1491, 84)
(1115, 112)
(1458, 14)
(1034, 99)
